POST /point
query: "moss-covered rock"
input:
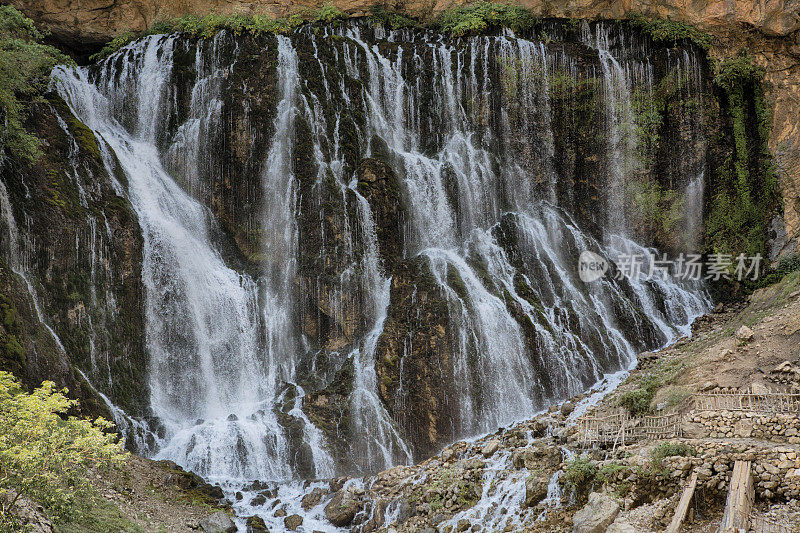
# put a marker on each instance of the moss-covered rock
(86, 275)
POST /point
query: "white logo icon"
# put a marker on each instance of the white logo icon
(591, 266)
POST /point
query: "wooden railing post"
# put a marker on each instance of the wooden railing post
(740, 499)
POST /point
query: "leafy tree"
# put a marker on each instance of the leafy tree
(45, 455)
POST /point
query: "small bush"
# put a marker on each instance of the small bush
(477, 18)
(607, 472)
(670, 449)
(580, 472)
(44, 455)
(329, 13)
(738, 71)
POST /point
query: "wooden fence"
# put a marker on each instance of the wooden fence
(621, 428)
(770, 402)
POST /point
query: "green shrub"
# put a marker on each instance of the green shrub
(580, 472)
(328, 13)
(390, 19)
(738, 71)
(477, 18)
(45, 455)
(670, 449)
(676, 396)
(25, 66)
(637, 401)
(669, 31)
(786, 265)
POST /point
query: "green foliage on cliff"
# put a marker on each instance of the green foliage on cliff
(479, 17)
(45, 455)
(328, 13)
(744, 188)
(737, 72)
(659, 210)
(209, 25)
(669, 31)
(25, 65)
(394, 20)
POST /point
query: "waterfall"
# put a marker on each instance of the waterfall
(258, 270)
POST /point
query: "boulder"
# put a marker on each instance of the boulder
(535, 489)
(312, 498)
(567, 408)
(292, 522)
(30, 514)
(491, 447)
(597, 515)
(218, 522)
(255, 524)
(621, 525)
(744, 334)
(342, 508)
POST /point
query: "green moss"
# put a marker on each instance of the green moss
(744, 185)
(12, 352)
(456, 282)
(659, 209)
(209, 25)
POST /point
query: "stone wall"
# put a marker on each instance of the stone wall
(777, 427)
(776, 470)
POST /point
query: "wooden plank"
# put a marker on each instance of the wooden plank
(740, 499)
(683, 506)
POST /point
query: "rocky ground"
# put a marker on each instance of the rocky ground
(526, 477)
(538, 475)
(140, 496)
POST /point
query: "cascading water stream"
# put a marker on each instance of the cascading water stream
(468, 128)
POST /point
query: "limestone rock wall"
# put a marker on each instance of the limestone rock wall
(768, 29)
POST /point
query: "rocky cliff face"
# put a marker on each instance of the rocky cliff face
(71, 258)
(769, 30)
